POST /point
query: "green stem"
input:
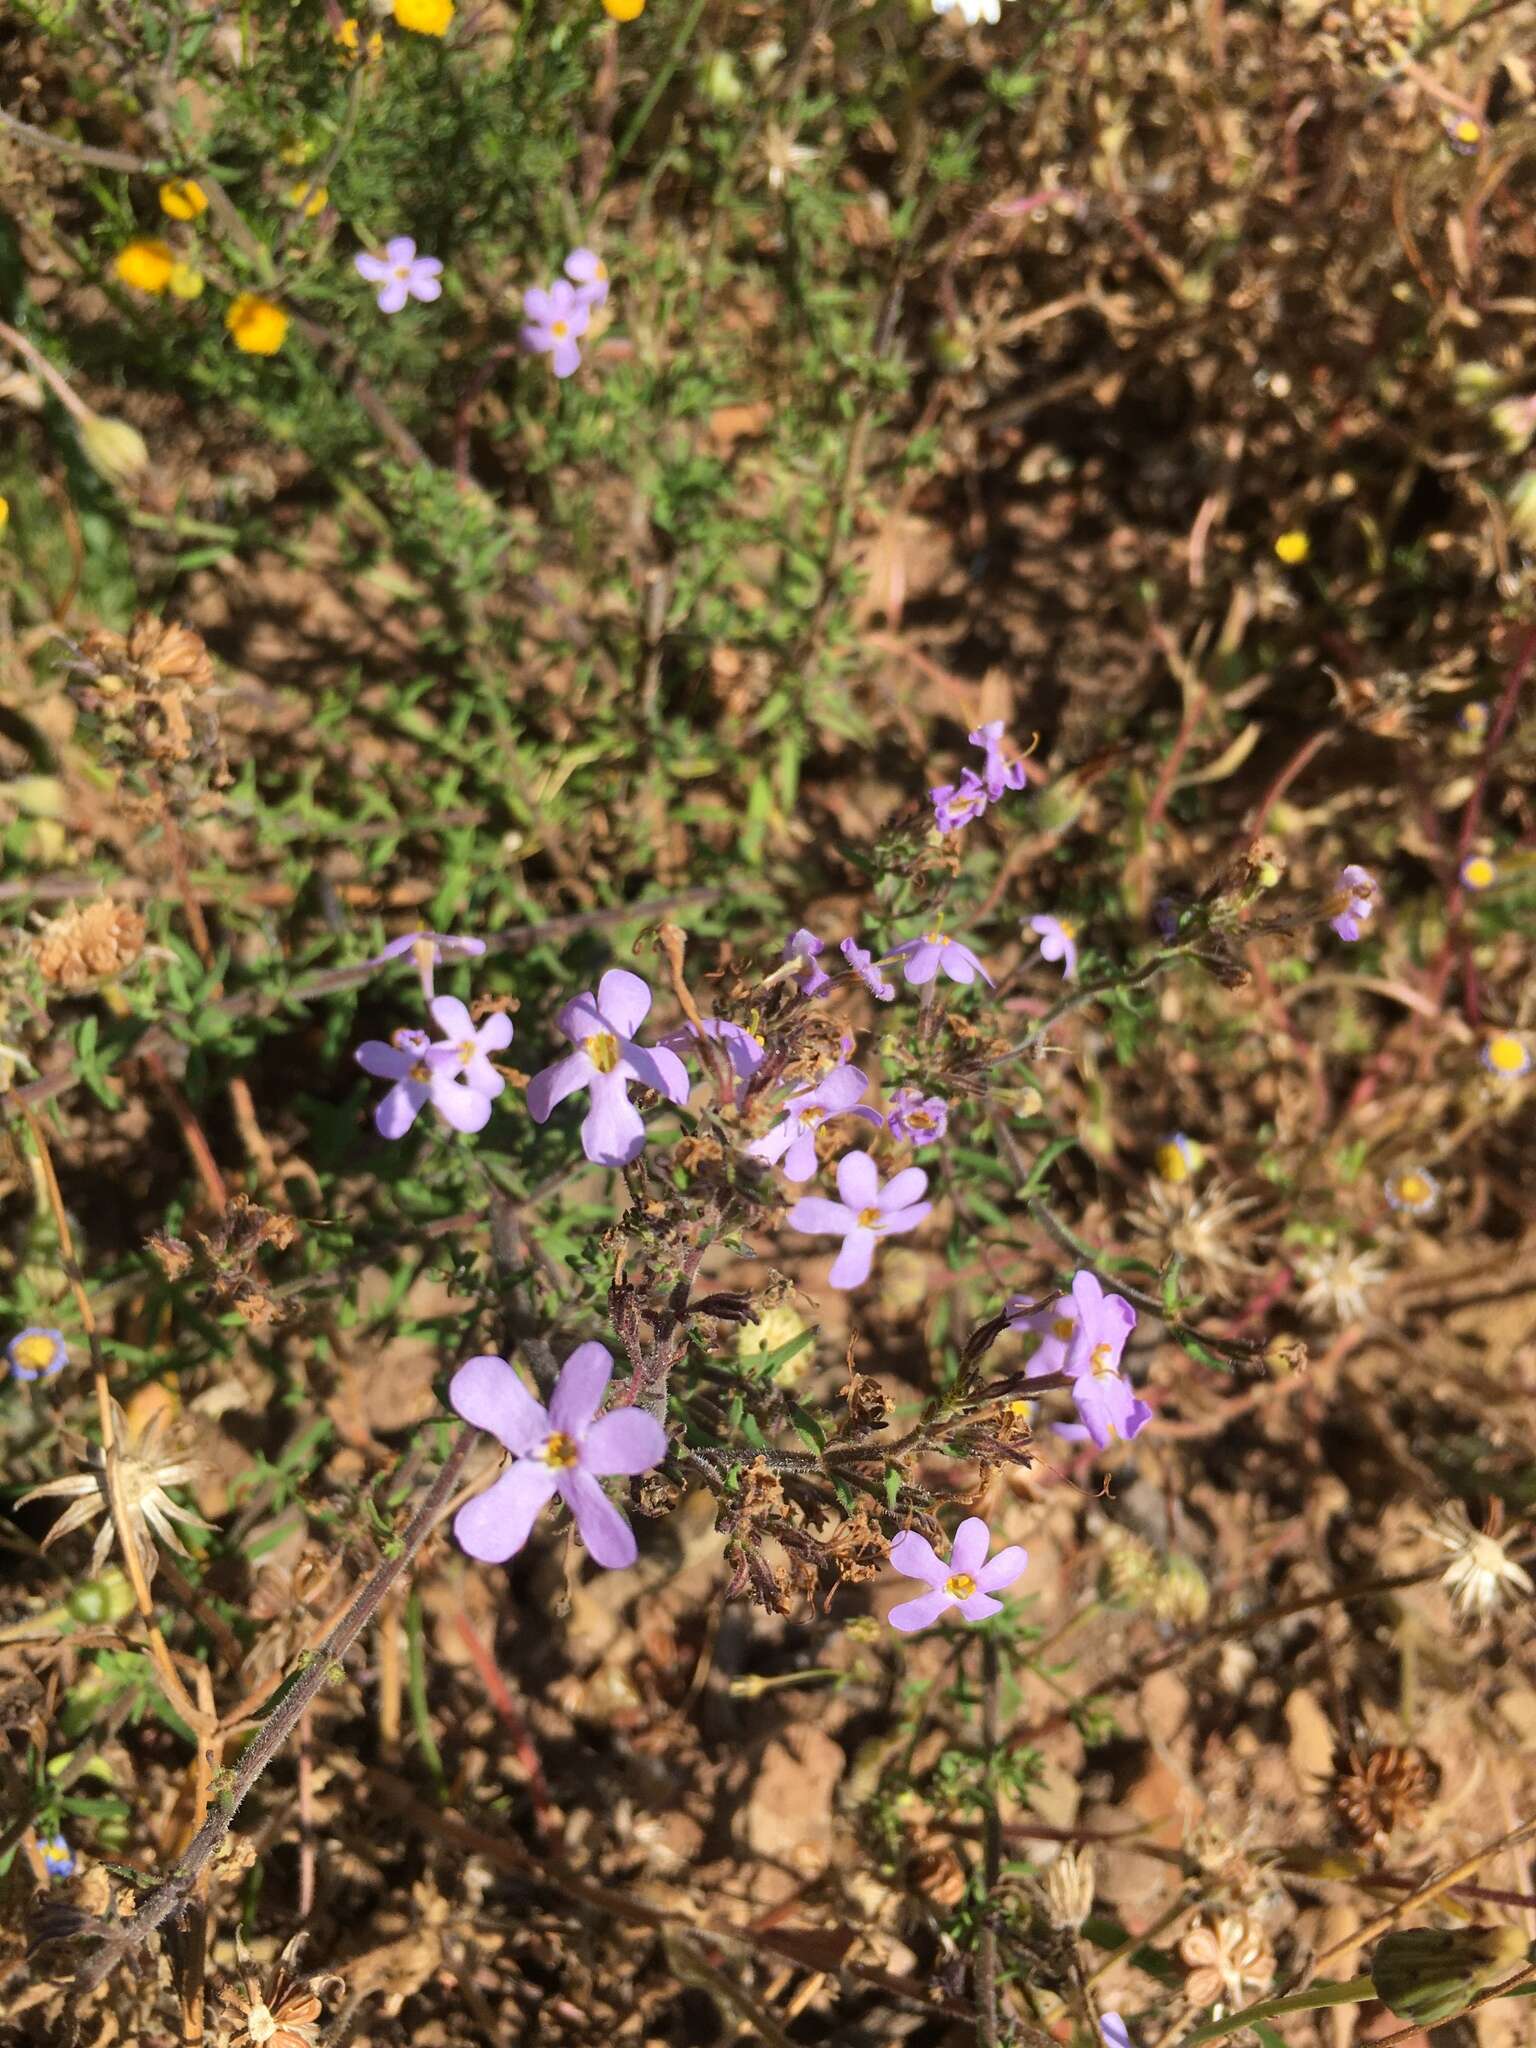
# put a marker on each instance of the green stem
(416, 1684)
(1355, 1992)
(659, 85)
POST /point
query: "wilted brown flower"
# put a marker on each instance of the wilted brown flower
(1069, 1888)
(152, 686)
(1230, 1960)
(282, 2012)
(1379, 1792)
(88, 942)
(148, 1461)
(1206, 1232)
(938, 1874)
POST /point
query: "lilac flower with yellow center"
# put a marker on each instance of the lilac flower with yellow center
(804, 947)
(588, 272)
(917, 1119)
(565, 1449)
(401, 274)
(863, 965)
(429, 950)
(606, 1060)
(968, 1581)
(1354, 902)
(1177, 1158)
(1058, 941)
(866, 1213)
(58, 1857)
(556, 320)
(422, 1072)
(1478, 872)
(1085, 1337)
(791, 1144)
(1472, 719)
(998, 775)
(1506, 1055)
(472, 1043)
(956, 804)
(1413, 1189)
(923, 957)
(35, 1353)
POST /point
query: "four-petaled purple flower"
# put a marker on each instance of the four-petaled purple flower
(401, 274)
(968, 1581)
(422, 1072)
(1058, 941)
(1086, 1337)
(998, 776)
(472, 1043)
(917, 1119)
(565, 1449)
(1354, 902)
(866, 1213)
(804, 946)
(36, 1353)
(606, 1060)
(430, 950)
(1113, 2031)
(863, 965)
(923, 956)
(556, 319)
(792, 1141)
(956, 804)
(589, 273)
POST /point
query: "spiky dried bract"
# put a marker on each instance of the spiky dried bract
(152, 685)
(1481, 1576)
(282, 2011)
(1210, 1234)
(87, 943)
(149, 1459)
(1379, 1792)
(1230, 1960)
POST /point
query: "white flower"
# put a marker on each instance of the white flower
(1479, 1574)
(1339, 1283)
(971, 12)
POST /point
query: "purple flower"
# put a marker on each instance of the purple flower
(917, 1119)
(471, 1043)
(555, 320)
(743, 1048)
(998, 775)
(1506, 1055)
(58, 1857)
(924, 957)
(866, 1213)
(863, 965)
(958, 804)
(793, 1139)
(1086, 1337)
(968, 1581)
(401, 274)
(35, 1353)
(589, 273)
(1354, 902)
(804, 947)
(1415, 1190)
(565, 1449)
(1113, 2031)
(422, 1072)
(444, 946)
(607, 1059)
(1058, 941)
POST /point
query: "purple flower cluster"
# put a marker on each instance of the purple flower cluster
(557, 317)
(1085, 1338)
(957, 804)
(453, 1073)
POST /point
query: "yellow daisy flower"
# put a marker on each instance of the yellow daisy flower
(308, 199)
(624, 10)
(5, 513)
(144, 265)
(257, 326)
(1478, 871)
(425, 17)
(1506, 1055)
(185, 282)
(1293, 547)
(183, 198)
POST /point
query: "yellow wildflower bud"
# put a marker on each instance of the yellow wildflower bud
(185, 282)
(145, 266)
(256, 325)
(5, 513)
(425, 17)
(183, 198)
(309, 199)
(1293, 548)
(113, 448)
(624, 10)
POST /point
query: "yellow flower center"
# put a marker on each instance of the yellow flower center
(1102, 1360)
(35, 1353)
(920, 1120)
(960, 1586)
(468, 1050)
(602, 1049)
(560, 1452)
(1063, 1329)
(1506, 1055)
(559, 329)
(1293, 547)
(812, 1113)
(1413, 1187)
(1467, 130)
(1068, 931)
(870, 1219)
(420, 1072)
(1479, 872)
(1018, 1408)
(935, 939)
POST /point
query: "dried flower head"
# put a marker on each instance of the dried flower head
(1069, 1888)
(1206, 1233)
(148, 1461)
(283, 2011)
(1376, 1794)
(1339, 1282)
(1230, 1960)
(1480, 1575)
(87, 943)
(1182, 1595)
(152, 686)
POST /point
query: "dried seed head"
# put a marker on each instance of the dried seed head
(1069, 1889)
(1182, 1595)
(1128, 1569)
(88, 943)
(1376, 1794)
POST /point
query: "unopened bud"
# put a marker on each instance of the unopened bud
(113, 448)
(1069, 1889)
(1429, 1974)
(720, 81)
(1285, 1355)
(1520, 502)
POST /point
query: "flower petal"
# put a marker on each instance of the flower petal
(968, 1552)
(1002, 1570)
(451, 1017)
(480, 1075)
(772, 1146)
(914, 1555)
(613, 1130)
(800, 1161)
(923, 1612)
(394, 1116)
(840, 1089)
(851, 1266)
(375, 269)
(656, 1067)
(495, 1034)
(980, 1607)
(552, 1084)
(623, 998)
(498, 1522)
(580, 1389)
(393, 294)
(466, 1109)
(607, 1535)
(388, 1062)
(400, 249)
(625, 1440)
(904, 1188)
(565, 357)
(858, 1180)
(819, 1217)
(487, 1392)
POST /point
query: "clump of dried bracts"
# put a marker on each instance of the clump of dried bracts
(153, 688)
(87, 944)
(225, 1260)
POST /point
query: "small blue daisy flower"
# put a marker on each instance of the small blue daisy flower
(36, 1353)
(58, 1857)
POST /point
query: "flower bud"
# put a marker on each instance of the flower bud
(1284, 1355)
(1429, 1974)
(113, 448)
(720, 81)
(1520, 503)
